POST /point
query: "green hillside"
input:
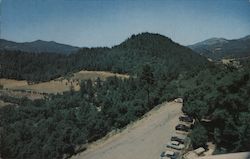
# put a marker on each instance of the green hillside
(218, 48)
(161, 71)
(164, 55)
(38, 46)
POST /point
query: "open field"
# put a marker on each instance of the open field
(49, 87)
(12, 84)
(58, 85)
(93, 75)
(144, 139)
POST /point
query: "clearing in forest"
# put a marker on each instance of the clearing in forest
(58, 85)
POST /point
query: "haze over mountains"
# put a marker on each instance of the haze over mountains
(37, 46)
(214, 48)
(218, 48)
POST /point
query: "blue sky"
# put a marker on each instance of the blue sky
(108, 22)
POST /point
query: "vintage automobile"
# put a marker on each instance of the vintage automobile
(186, 118)
(169, 155)
(175, 145)
(179, 139)
(182, 127)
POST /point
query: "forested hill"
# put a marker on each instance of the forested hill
(38, 46)
(218, 48)
(159, 51)
(161, 71)
(162, 54)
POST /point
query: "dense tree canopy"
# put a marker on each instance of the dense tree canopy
(160, 70)
(222, 96)
(56, 126)
(164, 56)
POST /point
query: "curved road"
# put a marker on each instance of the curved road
(144, 139)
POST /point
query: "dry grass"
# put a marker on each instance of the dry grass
(227, 61)
(46, 87)
(93, 75)
(231, 61)
(10, 84)
(58, 85)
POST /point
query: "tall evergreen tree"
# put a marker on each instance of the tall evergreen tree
(147, 79)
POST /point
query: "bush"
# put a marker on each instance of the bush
(199, 136)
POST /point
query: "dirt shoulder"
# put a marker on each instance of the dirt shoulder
(144, 139)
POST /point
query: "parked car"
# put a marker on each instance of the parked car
(179, 139)
(162, 154)
(182, 127)
(175, 145)
(169, 155)
(178, 100)
(186, 118)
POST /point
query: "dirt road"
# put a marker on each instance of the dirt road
(144, 139)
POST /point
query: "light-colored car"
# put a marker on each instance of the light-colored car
(178, 100)
(175, 145)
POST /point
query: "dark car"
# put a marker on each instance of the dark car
(176, 138)
(163, 154)
(169, 155)
(186, 118)
(182, 127)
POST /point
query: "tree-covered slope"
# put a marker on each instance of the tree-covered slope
(158, 50)
(218, 48)
(38, 46)
(164, 55)
(221, 96)
(161, 70)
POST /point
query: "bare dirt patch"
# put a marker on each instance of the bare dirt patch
(144, 139)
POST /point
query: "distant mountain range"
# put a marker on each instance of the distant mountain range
(218, 48)
(160, 52)
(214, 48)
(37, 46)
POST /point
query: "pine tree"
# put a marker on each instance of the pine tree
(147, 79)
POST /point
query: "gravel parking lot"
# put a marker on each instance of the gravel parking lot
(144, 139)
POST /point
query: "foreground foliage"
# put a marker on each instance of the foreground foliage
(55, 126)
(221, 97)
